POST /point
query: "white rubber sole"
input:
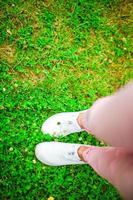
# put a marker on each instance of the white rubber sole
(58, 153)
(62, 124)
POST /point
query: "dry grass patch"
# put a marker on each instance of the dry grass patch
(28, 75)
(7, 52)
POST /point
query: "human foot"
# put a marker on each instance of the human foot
(63, 124)
(58, 153)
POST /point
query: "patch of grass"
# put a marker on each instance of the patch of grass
(56, 56)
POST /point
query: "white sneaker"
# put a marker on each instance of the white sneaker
(58, 153)
(62, 124)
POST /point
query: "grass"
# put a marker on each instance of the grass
(56, 56)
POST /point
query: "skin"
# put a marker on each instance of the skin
(81, 149)
(112, 163)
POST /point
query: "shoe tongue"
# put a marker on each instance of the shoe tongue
(76, 152)
(72, 154)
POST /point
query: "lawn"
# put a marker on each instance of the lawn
(57, 56)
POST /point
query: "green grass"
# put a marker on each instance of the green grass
(56, 56)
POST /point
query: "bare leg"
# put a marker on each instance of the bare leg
(112, 163)
(111, 118)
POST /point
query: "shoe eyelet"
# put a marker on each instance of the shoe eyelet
(71, 153)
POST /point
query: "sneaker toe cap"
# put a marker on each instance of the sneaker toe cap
(41, 153)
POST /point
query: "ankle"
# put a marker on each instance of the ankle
(80, 120)
(80, 151)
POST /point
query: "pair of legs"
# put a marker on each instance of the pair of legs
(110, 119)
